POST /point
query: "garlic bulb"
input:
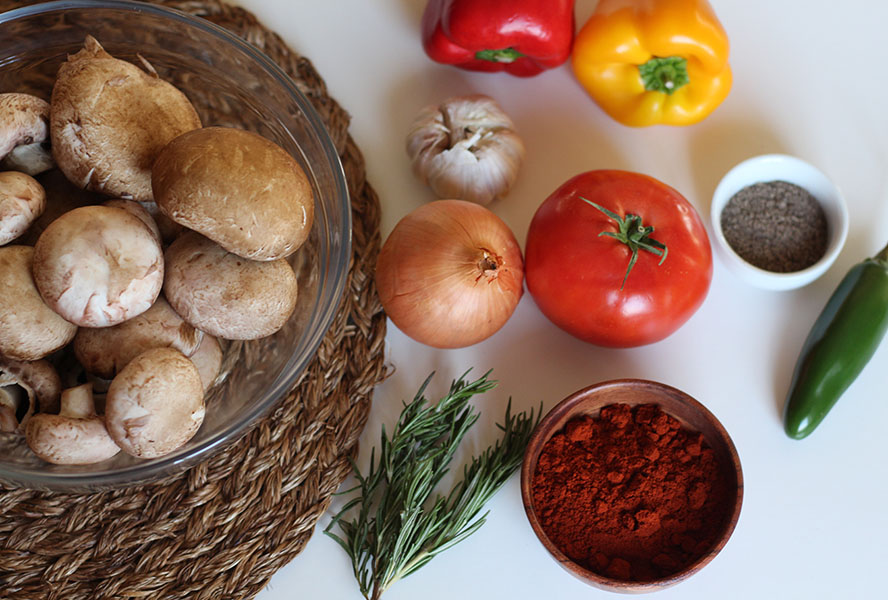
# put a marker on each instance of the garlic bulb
(466, 148)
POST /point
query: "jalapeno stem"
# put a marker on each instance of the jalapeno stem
(882, 257)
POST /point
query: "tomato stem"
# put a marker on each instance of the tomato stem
(634, 234)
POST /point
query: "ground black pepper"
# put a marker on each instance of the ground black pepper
(776, 226)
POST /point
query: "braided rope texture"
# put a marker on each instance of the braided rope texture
(222, 528)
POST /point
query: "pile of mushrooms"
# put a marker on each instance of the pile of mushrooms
(133, 253)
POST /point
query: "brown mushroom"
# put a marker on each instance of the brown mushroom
(75, 436)
(155, 404)
(24, 129)
(29, 329)
(22, 200)
(105, 351)
(225, 295)
(98, 266)
(110, 119)
(237, 188)
(25, 388)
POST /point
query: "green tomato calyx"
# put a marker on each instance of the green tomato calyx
(634, 234)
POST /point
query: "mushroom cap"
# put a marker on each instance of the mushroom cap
(38, 377)
(24, 120)
(98, 266)
(75, 436)
(29, 329)
(22, 200)
(237, 188)
(225, 295)
(109, 120)
(137, 209)
(105, 351)
(155, 404)
(208, 360)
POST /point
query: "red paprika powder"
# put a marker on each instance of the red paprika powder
(630, 494)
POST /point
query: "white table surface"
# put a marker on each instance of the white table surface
(809, 80)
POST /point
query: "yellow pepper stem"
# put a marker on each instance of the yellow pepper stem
(664, 74)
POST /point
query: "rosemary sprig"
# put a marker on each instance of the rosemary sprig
(397, 527)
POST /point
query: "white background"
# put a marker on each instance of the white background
(809, 80)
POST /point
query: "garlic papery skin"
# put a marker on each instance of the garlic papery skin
(450, 274)
(466, 148)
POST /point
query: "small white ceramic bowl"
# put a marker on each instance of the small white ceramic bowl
(780, 167)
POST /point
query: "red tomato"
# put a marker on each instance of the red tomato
(575, 275)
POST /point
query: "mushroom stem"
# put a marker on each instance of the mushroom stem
(31, 159)
(10, 390)
(75, 436)
(77, 402)
(17, 403)
(8, 421)
(24, 121)
(12, 394)
(27, 386)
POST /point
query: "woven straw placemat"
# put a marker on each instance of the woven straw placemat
(222, 528)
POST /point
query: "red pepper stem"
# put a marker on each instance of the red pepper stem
(634, 234)
(503, 55)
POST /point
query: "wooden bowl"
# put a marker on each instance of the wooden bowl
(676, 403)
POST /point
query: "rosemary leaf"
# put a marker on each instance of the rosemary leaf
(394, 525)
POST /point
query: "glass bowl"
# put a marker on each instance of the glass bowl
(230, 83)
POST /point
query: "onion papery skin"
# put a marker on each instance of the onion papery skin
(450, 274)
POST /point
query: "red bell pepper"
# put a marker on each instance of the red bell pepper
(521, 37)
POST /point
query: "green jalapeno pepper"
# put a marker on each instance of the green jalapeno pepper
(841, 343)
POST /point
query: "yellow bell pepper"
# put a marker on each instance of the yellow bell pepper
(648, 62)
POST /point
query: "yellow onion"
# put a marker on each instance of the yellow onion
(450, 274)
